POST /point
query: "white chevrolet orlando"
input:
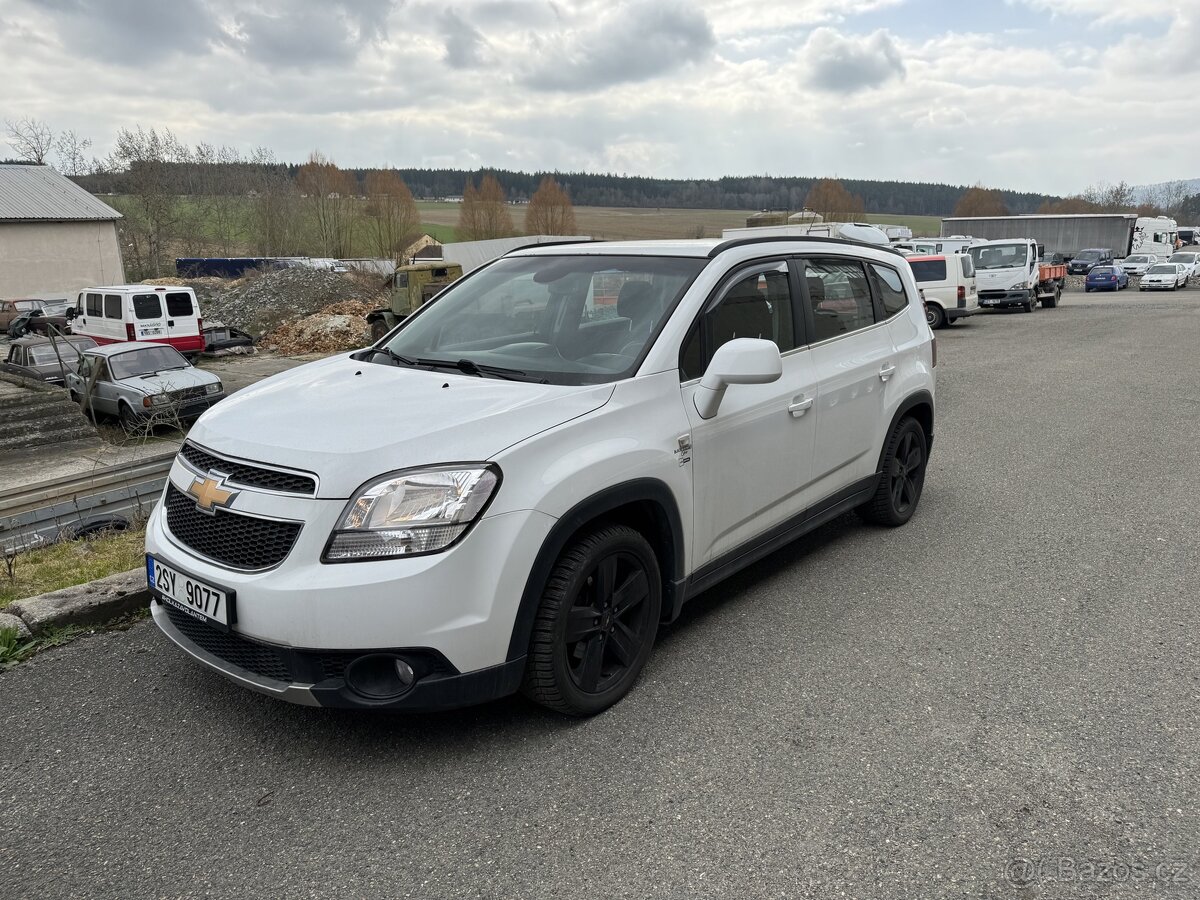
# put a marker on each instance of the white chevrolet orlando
(514, 488)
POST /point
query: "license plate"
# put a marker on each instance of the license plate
(198, 599)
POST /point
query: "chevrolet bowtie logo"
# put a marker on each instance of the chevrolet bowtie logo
(209, 494)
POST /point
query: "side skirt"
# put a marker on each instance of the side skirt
(751, 552)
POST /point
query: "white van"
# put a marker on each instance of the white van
(947, 282)
(139, 312)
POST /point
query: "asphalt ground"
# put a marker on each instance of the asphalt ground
(998, 700)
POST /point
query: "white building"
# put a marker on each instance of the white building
(55, 237)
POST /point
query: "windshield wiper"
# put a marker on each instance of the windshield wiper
(470, 367)
(396, 357)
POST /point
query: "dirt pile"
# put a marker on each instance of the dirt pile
(331, 329)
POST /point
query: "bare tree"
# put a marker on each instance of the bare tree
(274, 211)
(550, 210)
(69, 147)
(980, 201)
(150, 161)
(484, 214)
(393, 219)
(329, 192)
(469, 227)
(31, 139)
(830, 199)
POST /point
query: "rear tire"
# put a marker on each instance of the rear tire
(596, 623)
(902, 477)
(935, 315)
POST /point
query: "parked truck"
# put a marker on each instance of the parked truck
(1062, 235)
(410, 287)
(1009, 273)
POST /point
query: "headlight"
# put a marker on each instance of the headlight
(159, 400)
(409, 513)
(1023, 286)
(212, 388)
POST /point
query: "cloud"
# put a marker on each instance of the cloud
(630, 43)
(844, 64)
(132, 32)
(304, 33)
(466, 47)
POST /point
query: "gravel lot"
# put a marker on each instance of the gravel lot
(998, 700)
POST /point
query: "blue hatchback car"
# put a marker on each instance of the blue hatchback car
(1106, 278)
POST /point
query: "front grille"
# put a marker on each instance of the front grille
(261, 659)
(231, 539)
(190, 393)
(250, 475)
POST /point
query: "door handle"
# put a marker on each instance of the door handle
(887, 371)
(170, 323)
(799, 407)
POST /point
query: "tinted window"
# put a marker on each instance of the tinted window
(179, 304)
(147, 306)
(95, 305)
(757, 305)
(1102, 270)
(838, 297)
(891, 289)
(929, 269)
(112, 306)
(968, 267)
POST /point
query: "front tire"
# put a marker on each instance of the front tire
(596, 623)
(902, 477)
(130, 423)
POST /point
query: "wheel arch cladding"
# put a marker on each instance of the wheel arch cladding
(920, 407)
(646, 505)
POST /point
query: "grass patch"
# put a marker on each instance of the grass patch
(13, 651)
(68, 563)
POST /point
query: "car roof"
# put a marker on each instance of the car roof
(138, 288)
(703, 248)
(123, 346)
(941, 256)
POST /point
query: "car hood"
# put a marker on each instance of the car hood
(172, 380)
(349, 421)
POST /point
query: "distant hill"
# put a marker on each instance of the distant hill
(591, 189)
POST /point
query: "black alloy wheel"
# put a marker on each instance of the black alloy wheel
(596, 623)
(902, 477)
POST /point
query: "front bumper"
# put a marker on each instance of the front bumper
(317, 677)
(1157, 285)
(993, 299)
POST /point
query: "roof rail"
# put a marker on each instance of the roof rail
(774, 238)
(552, 244)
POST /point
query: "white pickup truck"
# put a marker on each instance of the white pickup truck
(1008, 273)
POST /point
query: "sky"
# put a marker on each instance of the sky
(1041, 95)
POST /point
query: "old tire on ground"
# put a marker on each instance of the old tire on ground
(595, 624)
(378, 329)
(902, 478)
(935, 315)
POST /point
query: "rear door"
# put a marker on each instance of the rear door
(149, 317)
(854, 358)
(183, 319)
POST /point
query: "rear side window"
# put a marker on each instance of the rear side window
(967, 265)
(95, 305)
(112, 306)
(838, 297)
(147, 306)
(891, 289)
(179, 304)
(929, 269)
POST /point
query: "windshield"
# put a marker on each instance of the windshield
(1089, 254)
(146, 361)
(1162, 270)
(44, 354)
(1185, 258)
(1137, 259)
(27, 305)
(582, 319)
(1000, 256)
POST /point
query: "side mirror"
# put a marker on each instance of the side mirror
(740, 361)
(70, 313)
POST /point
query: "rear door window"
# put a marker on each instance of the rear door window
(147, 306)
(929, 269)
(179, 304)
(838, 297)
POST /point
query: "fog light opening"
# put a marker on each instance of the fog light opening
(380, 676)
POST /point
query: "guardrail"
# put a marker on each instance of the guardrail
(47, 511)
